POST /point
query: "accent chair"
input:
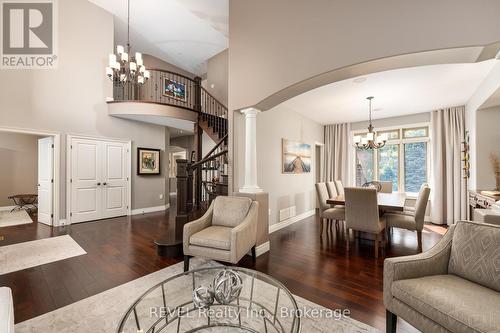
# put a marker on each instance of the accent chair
(409, 221)
(325, 210)
(362, 214)
(453, 287)
(226, 232)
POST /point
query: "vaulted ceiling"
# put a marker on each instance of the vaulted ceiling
(185, 33)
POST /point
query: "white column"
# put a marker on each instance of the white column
(250, 185)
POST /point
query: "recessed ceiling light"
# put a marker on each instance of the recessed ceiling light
(212, 86)
(359, 79)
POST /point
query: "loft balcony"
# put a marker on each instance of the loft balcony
(168, 99)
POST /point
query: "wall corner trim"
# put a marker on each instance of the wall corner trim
(290, 221)
(150, 209)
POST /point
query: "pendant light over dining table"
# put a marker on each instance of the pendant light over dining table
(123, 66)
(370, 142)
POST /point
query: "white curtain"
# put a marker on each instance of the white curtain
(336, 161)
(448, 190)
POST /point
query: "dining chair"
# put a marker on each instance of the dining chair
(411, 209)
(408, 221)
(332, 190)
(325, 211)
(340, 187)
(362, 214)
(385, 186)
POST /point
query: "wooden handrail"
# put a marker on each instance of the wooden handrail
(173, 73)
(212, 96)
(213, 157)
(216, 146)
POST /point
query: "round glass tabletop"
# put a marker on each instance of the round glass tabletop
(214, 299)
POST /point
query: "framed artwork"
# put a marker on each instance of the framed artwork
(296, 157)
(148, 161)
(174, 89)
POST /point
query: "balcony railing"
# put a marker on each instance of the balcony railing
(191, 94)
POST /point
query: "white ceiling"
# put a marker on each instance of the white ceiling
(397, 92)
(185, 33)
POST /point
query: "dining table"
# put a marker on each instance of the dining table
(394, 201)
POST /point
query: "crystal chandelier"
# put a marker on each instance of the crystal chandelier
(123, 67)
(369, 141)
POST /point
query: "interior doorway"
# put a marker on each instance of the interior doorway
(318, 165)
(29, 177)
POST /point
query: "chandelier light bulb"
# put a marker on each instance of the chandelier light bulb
(120, 49)
(133, 66)
(146, 74)
(125, 56)
(357, 139)
(109, 72)
(112, 59)
(140, 79)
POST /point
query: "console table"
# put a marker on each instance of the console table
(479, 200)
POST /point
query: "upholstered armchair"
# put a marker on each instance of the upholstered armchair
(453, 287)
(226, 232)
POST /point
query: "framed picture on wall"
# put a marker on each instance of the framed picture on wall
(174, 89)
(148, 161)
(296, 157)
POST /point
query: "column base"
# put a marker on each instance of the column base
(251, 189)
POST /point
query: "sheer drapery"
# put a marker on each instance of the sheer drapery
(448, 203)
(336, 161)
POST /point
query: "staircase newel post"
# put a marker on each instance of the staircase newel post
(182, 191)
(198, 131)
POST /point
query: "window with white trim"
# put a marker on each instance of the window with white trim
(404, 159)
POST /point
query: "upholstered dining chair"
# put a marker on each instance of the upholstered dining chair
(362, 214)
(332, 189)
(226, 232)
(408, 221)
(340, 187)
(325, 211)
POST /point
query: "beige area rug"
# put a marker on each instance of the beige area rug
(103, 312)
(15, 218)
(38, 252)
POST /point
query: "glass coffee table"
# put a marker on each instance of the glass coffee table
(214, 299)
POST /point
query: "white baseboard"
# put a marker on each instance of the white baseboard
(150, 209)
(262, 248)
(290, 221)
(4, 208)
(62, 222)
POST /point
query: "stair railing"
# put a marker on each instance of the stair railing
(209, 174)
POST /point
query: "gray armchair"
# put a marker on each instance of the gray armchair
(453, 287)
(226, 232)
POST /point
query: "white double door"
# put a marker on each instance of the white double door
(99, 179)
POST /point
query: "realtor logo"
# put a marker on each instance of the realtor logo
(28, 34)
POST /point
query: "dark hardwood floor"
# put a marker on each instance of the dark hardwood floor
(122, 249)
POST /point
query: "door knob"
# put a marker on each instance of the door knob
(98, 184)
(104, 184)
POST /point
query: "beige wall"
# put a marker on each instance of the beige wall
(424, 117)
(18, 165)
(71, 98)
(156, 63)
(274, 44)
(217, 75)
(487, 142)
(284, 190)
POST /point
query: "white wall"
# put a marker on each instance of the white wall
(487, 142)
(284, 190)
(71, 98)
(485, 90)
